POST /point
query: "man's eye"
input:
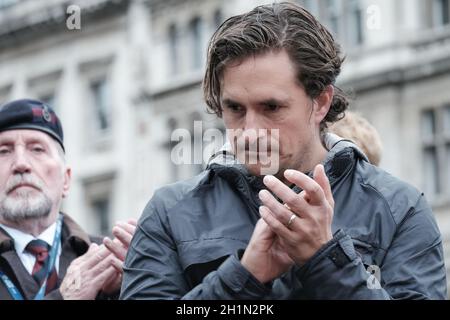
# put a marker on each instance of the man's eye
(272, 107)
(234, 108)
(4, 151)
(37, 149)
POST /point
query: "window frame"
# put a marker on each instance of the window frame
(97, 127)
(439, 18)
(343, 30)
(174, 47)
(196, 35)
(440, 141)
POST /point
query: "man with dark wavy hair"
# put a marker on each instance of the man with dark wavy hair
(285, 210)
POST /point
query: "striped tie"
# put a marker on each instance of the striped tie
(40, 250)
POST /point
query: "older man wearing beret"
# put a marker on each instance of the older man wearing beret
(44, 254)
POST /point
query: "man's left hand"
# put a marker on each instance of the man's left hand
(123, 233)
(305, 233)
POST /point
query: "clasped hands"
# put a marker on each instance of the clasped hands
(100, 268)
(291, 232)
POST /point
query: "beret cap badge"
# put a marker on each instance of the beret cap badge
(46, 114)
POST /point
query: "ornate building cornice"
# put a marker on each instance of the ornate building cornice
(19, 28)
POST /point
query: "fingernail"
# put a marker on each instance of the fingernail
(263, 194)
(268, 180)
(289, 173)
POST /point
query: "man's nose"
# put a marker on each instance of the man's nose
(21, 163)
(252, 128)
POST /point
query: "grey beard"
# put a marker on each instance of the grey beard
(25, 207)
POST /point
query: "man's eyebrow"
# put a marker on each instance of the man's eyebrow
(34, 140)
(6, 141)
(230, 102)
(274, 101)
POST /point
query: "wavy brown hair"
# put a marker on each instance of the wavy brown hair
(310, 46)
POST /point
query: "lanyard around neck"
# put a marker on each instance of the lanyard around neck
(13, 291)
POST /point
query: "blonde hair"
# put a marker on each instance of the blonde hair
(357, 129)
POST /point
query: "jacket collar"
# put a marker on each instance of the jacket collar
(341, 156)
(334, 144)
(72, 234)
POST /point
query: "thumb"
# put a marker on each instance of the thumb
(321, 178)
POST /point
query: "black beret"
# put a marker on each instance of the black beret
(31, 114)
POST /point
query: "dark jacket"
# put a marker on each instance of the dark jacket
(191, 235)
(74, 243)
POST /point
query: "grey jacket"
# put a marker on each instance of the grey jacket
(192, 234)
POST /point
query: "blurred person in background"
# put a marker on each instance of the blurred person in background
(44, 254)
(357, 129)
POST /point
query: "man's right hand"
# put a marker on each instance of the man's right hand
(87, 274)
(264, 257)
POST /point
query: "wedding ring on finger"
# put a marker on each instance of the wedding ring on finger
(291, 219)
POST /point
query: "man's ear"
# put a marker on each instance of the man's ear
(67, 180)
(323, 103)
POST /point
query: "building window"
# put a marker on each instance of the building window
(44, 87)
(4, 95)
(100, 208)
(344, 18)
(355, 29)
(436, 151)
(431, 171)
(173, 49)
(218, 18)
(196, 37)
(441, 12)
(98, 191)
(101, 104)
(334, 15)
